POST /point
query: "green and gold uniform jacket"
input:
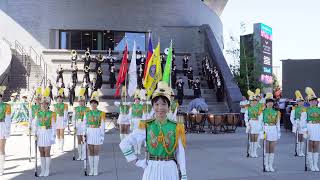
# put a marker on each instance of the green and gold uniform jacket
(94, 118)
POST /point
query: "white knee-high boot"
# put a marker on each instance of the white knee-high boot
(96, 165)
(61, 145)
(43, 166)
(255, 148)
(250, 149)
(298, 148)
(135, 149)
(2, 161)
(47, 171)
(79, 152)
(84, 151)
(315, 161)
(310, 161)
(302, 148)
(91, 165)
(266, 161)
(271, 158)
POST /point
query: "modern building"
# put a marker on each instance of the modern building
(47, 30)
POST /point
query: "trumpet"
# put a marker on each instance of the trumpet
(100, 58)
(86, 69)
(87, 53)
(99, 70)
(73, 52)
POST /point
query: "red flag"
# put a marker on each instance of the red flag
(149, 55)
(123, 71)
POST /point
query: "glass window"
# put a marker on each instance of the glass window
(108, 38)
(122, 37)
(87, 40)
(64, 40)
(101, 40)
(75, 40)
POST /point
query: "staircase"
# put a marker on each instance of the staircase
(24, 74)
(63, 57)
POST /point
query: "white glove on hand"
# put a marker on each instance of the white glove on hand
(142, 163)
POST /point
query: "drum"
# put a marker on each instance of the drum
(232, 120)
(216, 122)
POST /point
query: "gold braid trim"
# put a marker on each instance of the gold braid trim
(8, 109)
(142, 125)
(180, 133)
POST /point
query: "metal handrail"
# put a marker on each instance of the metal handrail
(7, 41)
(4, 78)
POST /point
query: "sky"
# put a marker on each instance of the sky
(295, 25)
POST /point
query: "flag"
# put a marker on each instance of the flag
(122, 72)
(133, 72)
(149, 55)
(154, 72)
(167, 68)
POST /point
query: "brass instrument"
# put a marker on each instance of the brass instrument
(100, 58)
(73, 52)
(87, 53)
(86, 69)
(99, 70)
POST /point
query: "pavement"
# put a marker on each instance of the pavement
(209, 157)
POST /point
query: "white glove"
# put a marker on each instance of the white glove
(142, 163)
(294, 128)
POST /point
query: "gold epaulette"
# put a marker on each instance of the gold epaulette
(171, 120)
(304, 109)
(143, 123)
(103, 114)
(279, 114)
(8, 109)
(65, 106)
(180, 133)
(54, 115)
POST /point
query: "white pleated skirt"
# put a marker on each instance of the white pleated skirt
(301, 129)
(123, 119)
(161, 170)
(271, 133)
(80, 125)
(314, 132)
(256, 127)
(4, 131)
(134, 123)
(61, 122)
(45, 137)
(95, 136)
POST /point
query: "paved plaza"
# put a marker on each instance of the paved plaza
(209, 157)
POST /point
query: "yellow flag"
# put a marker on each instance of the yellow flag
(154, 72)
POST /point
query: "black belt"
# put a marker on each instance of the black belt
(159, 158)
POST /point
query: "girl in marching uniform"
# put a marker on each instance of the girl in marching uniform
(79, 124)
(271, 121)
(61, 109)
(310, 118)
(35, 108)
(135, 114)
(5, 124)
(253, 123)
(95, 124)
(123, 119)
(44, 129)
(147, 111)
(165, 141)
(297, 127)
(173, 108)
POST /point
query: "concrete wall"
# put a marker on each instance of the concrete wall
(178, 19)
(5, 61)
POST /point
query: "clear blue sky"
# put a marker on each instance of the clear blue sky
(295, 24)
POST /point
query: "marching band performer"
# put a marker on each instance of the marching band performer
(5, 124)
(165, 141)
(271, 121)
(61, 109)
(123, 119)
(297, 127)
(35, 108)
(95, 125)
(135, 114)
(311, 118)
(253, 123)
(78, 123)
(174, 105)
(44, 130)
